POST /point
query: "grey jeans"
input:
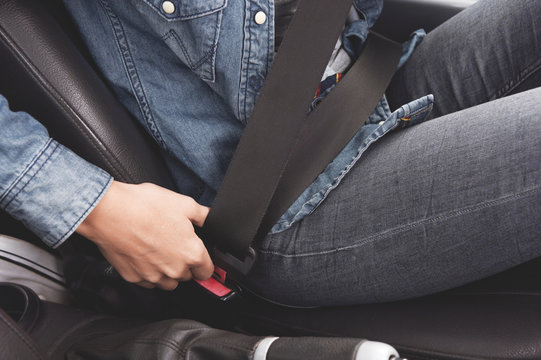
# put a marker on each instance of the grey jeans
(440, 204)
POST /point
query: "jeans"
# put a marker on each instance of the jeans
(444, 203)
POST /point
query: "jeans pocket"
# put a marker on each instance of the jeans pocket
(191, 30)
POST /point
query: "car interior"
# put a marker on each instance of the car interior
(46, 71)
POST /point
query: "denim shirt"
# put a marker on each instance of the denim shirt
(191, 76)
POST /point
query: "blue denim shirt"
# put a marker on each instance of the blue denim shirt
(191, 77)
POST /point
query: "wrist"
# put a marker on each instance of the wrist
(89, 228)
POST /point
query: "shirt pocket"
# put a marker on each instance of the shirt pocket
(191, 29)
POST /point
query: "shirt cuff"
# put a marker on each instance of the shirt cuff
(55, 193)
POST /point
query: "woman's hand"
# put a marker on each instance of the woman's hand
(146, 233)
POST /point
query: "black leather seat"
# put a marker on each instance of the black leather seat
(497, 318)
(44, 73)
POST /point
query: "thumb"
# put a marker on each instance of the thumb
(199, 214)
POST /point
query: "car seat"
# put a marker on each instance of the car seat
(44, 70)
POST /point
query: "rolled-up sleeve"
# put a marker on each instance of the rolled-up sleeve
(42, 183)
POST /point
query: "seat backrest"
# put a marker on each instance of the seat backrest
(401, 17)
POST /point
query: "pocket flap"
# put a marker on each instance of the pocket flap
(186, 9)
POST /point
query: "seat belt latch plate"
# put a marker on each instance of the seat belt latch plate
(216, 285)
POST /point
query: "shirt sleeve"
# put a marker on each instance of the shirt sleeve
(42, 183)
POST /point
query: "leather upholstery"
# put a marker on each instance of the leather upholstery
(458, 326)
(42, 72)
(401, 17)
(21, 305)
(14, 343)
(78, 334)
(494, 318)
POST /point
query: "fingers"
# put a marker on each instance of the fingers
(154, 244)
(146, 284)
(204, 268)
(170, 283)
(167, 283)
(200, 266)
(164, 284)
(169, 280)
(197, 264)
(196, 213)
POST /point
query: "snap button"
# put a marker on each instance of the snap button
(168, 7)
(260, 18)
(255, 82)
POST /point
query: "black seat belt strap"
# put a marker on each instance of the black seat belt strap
(271, 132)
(283, 149)
(334, 122)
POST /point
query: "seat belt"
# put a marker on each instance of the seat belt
(283, 149)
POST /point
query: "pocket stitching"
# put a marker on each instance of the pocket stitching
(180, 17)
(172, 34)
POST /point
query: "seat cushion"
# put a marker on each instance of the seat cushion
(496, 318)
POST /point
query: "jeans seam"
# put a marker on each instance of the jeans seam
(412, 225)
(514, 83)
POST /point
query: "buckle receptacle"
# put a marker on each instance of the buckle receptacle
(228, 272)
(236, 267)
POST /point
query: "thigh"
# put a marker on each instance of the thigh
(489, 50)
(427, 208)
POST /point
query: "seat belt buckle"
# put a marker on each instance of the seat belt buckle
(223, 283)
(237, 268)
(216, 285)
